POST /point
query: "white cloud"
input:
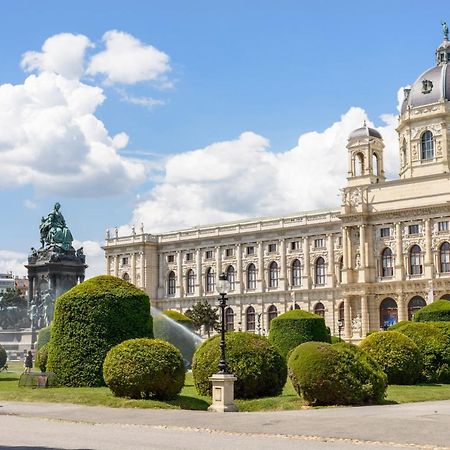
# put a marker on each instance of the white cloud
(11, 261)
(95, 257)
(148, 102)
(29, 204)
(127, 60)
(62, 53)
(231, 180)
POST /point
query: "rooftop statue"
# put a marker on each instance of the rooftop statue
(54, 231)
(445, 29)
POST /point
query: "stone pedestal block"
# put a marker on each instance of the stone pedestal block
(223, 393)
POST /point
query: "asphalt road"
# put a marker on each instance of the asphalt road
(63, 426)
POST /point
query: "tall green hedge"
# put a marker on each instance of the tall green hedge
(292, 328)
(90, 319)
(3, 357)
(438, 311)
(434, 345)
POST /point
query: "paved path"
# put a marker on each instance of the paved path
(55, 425)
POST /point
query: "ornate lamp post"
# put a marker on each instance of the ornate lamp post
(223, 381)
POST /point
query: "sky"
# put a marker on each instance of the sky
(181, 113)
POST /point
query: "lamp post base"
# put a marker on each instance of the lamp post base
(223, 393)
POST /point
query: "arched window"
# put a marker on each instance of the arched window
(126, 277)
(171, 283)
(427, 145)
(445, 297)
(444, 257)
(251, 276)
(319, 309)
(296, 273)
(272, 312)
(190, 282)
(414, 305)
(250, 319)
(210, 280)
(320, 271)
(388, 313)
(415, 261)
(387, 267)
(296, 306)
(231, 277)
(341, 314)
(273, 274)
(229, 319)
(359, 164)
(341, 268)
(375, 164)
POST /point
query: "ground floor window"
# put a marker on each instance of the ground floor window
(388, 313)
(414, 305)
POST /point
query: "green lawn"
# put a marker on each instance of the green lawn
(189, 399)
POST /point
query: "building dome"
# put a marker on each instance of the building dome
(364, 132)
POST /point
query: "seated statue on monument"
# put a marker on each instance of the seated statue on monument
(54, 231)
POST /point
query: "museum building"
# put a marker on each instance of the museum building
(373, 261)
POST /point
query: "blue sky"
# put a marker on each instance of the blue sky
(278, 70)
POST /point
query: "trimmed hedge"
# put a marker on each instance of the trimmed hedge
(438, 311)
(339, 374)
(43, 337)
(260, 370)
(90, 319)
(144, 368)
(41, 358)
(292, 328)
(397, 355)
(3, 357)
(171, 332)
(434, 346)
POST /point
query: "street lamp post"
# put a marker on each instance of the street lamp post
(340, 324)
(223, 380)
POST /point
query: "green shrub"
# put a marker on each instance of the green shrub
(144, 368)
(260, 370)
(3, 357)
(438, 311)
(397, 355)
(292, 328)
(434, 346)
(89, 320)
(43, 336)
(336, 339)
(340, 374)
(179, 333)
(41, 358)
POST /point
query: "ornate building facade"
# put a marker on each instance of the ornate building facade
(376, 259)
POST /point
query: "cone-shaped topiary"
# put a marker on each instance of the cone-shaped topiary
(340, 374)
(397, 355)
(3, 357)
(292, 328)
(438, 311)
(260, 370)
(90, 319)
(144, 368)
(41, 358)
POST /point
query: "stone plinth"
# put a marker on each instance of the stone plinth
(223, 393)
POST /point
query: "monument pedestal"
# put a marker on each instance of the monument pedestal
(223, 393)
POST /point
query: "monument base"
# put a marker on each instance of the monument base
(223, 393)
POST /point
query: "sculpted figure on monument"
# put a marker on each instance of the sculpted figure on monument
(54, 230)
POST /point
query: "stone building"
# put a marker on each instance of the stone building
(376, 259)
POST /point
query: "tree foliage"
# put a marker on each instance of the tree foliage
(203, 314)
(13, 310)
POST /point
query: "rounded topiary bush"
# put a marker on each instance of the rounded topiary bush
(340, 374)
(438, 311)
(89, 320)
(259, 368)
(144, 368)
(434, 346)
(3, 357)
(292, 328)
(43, 336)
(397, 354)
(177, 329)
(41, 358)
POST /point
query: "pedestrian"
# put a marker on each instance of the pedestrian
(28, 362)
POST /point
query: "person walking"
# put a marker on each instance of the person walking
(28, 362)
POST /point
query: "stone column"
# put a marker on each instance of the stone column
(306, 275)
(108, 265)
(143, 278)
(238, 269)
(362, 253)
(399, 268)
(219, 269)
(344, 254)
(161, 263)
(198, 260)
(261, 269)
(330, 266)
(347, 319)
(116, 265)
(180, 286)
(30, 290)
(133, 268)
(429, 269)
(402, 312)
(364, 316)
(283, 278)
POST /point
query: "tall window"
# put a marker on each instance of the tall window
(319, 309)
(359, 164)
(427, 145)
(210, 280)
(387, 269)
(126, 277)
(414, 305)
(251, 276)
(273, 274)
(229, 319)
(190, 282)
(272, 312)
(296, 273)
(444, 257)
(341, 268)
(342, 312)
(375, 168)
(231, 277)
(250, 319)
(171, 283)
(320, 271)
(415, 260)
(388, 313)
